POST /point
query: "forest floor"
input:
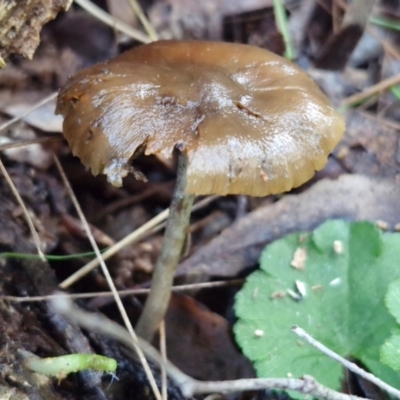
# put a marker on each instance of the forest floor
(355, 63)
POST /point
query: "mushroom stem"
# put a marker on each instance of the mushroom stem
(171, 251)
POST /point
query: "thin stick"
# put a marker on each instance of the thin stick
(306, 385)
(29, 110)
(347, 364)
(127, 292)
(163, 351)
(113, 22)
(188, 385)
(28, 142)
(110, 282)
(133, 237)
(375, 89)
(336, 17)
(175, 234)
(143, 19)
(384, 121)
(36, 238)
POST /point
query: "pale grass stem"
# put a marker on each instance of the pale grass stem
(109, 20)
(126, 292)
(110, 282)
(144, 20)
(29, 110)
(28, 218)
(163, 351)
(153, 224)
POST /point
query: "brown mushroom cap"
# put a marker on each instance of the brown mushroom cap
(249, 121)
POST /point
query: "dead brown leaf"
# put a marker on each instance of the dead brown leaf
(370, 147)
(351, 197)
(199, 342)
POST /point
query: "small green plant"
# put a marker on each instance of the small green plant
(48, 257)
(331, 282)
(61, 366)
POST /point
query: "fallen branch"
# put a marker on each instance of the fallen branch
(189, 386)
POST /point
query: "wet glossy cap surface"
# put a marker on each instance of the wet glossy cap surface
(249, 121)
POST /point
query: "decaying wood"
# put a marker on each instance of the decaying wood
(21, 22)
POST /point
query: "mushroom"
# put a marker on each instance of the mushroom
(243, 120)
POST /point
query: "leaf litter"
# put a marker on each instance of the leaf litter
(366, 163)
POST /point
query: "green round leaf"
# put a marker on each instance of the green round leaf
(390, 352)
(338, 297)
(393, 299)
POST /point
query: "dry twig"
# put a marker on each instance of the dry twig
(163, 351)
(27, 112)
(143, 19)
(347, 364)
(372, 90)
(113, 22)
(127, 240)
(188, 385)
(110, 282)
(126, 292)
(28, 218)
(26, 142)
